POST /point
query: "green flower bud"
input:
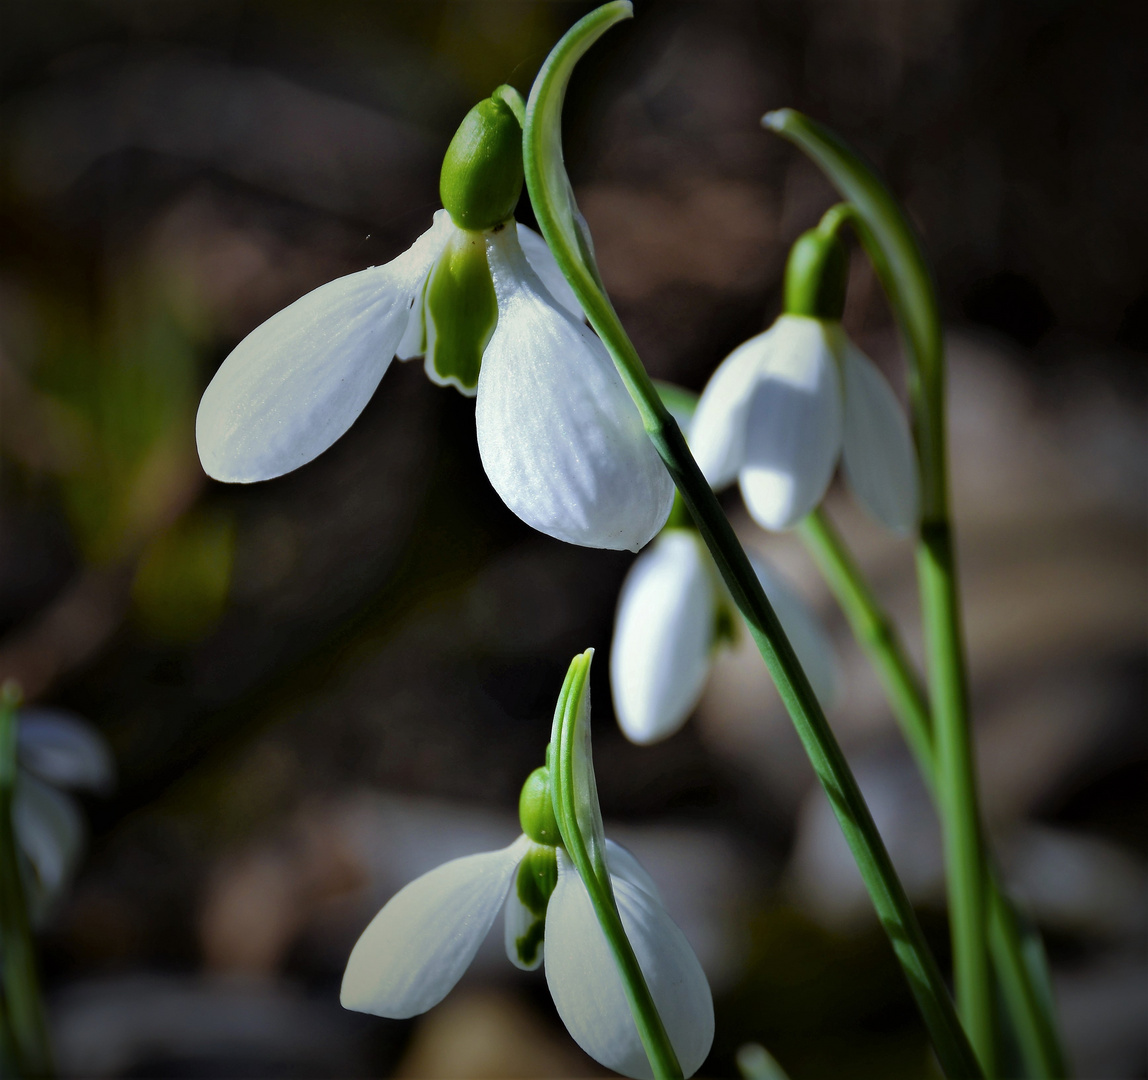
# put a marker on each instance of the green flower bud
(536, 809)
(462, 312)
(482, 170)
(816, 275)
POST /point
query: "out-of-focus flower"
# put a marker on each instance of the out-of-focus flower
(483, 300)
(55, 750)
(673, 614)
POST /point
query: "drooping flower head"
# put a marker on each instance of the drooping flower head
(421, 943)
(784, 407)
(480, 297)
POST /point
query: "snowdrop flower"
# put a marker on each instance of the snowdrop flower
(673, 615)
(55, 750)
(783, 407)
(419, 945)
(483, 300)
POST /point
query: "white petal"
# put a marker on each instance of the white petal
(416, 949)
(660, 656)
(624, 864)
(64, 749)
(297, 382)
(560, 439)
(517, 921)
(541, 260)
(587, 989)
(880, 460)
(805, 633)
(793, 431)
(49, 830)
(717, 432)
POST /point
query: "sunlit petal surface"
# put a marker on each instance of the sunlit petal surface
(298, 381)
(61, 748)
(538, 254)
(805, 633)
(879, 457)
(587, 989)
(793, 436)
(660, 656)
(561, 441)
(416, 949)
(718, 430)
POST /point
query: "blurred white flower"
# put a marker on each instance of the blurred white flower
(783, 407)
(559, 436)
(55, 750)
(419, 945)
(669, 624)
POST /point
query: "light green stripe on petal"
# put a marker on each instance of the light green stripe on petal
(417, 948)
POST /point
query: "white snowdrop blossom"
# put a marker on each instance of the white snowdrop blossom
(671, 614)
(783, 407)
(559, 436)
(421, 943)
(55, 750)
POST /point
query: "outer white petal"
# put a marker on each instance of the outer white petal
(880, 460)
(793, 431)
(587, 989)
(623, 864)
(416, 949)
(298, 381)
(560, 439)
(717, 433)
(541, 260)
(64, 750)
(49, 830)
(805, 633)
(660, 655)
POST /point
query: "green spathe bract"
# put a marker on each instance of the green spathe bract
(481, 177)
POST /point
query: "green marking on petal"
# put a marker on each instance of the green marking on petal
(529, 943)
(461, 311)
(537, 879)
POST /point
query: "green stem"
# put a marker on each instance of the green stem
(25, 1012)
(553, 204)
(1031, 1018)
(595, 876)
(899, 261)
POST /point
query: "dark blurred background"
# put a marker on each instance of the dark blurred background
(319, 687)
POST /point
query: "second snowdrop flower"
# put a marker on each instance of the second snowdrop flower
(673, 615)
(783, 407)
(483, 300)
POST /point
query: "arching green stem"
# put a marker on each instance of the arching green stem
(569, 241)
(579, 820)
(26, 1027)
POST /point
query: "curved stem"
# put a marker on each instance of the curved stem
(1031, 1018)
(21, 985)
(899, 261)
(596, 877)
(565, 233)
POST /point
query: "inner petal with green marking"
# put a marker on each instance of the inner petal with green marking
(461, 312)
(537, 878)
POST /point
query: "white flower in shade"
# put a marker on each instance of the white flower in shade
(55, 750)
(673, 614)
(560, 438)
(781, 410)
(421, 943)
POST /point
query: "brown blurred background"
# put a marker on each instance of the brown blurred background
(319, 687)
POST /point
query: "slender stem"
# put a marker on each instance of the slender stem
(874, 629)
(899, 260)
(565, 233)
(25, 1012)
(655, 1040)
